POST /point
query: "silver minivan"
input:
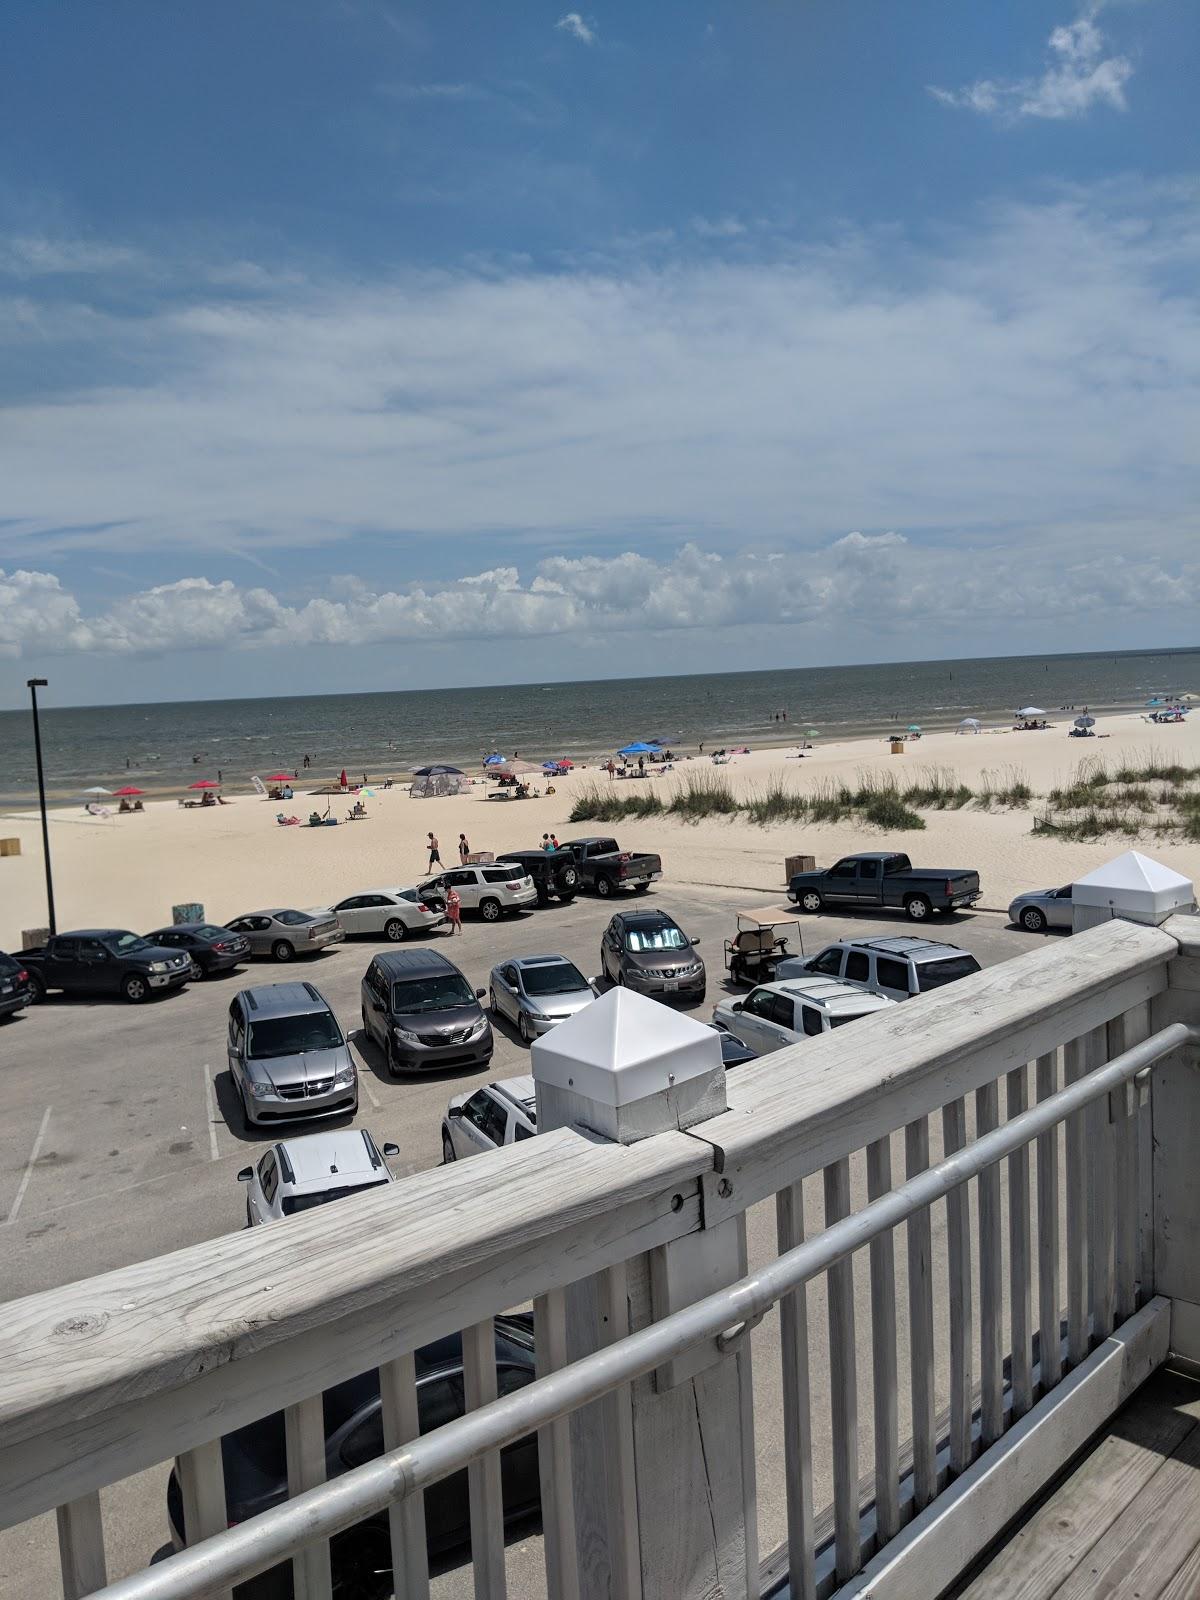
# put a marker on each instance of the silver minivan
(288, 1057)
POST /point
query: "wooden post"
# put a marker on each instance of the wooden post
(625, 1069)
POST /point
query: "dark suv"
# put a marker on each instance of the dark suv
(649, 951)
(423, 1014)
(553, 872)
(15, 988)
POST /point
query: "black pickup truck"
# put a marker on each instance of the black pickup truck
(602, 865)
(882, 878)
(553, 872)
(100, 961)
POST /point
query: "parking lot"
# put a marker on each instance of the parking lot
(122, 1137)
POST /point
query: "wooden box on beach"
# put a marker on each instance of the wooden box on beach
(10, 847)
(480, 858)
(794, 864)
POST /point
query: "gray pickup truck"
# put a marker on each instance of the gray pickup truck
(96, 961)
(602, 865)
(881, 878)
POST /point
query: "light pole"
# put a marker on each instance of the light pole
(33, 685)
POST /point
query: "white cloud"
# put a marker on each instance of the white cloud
(433, 91)
(574, 24)
(717, 227)
(1077, 75)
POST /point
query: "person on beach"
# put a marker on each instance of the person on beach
(454, 910)
(554, 844)
(435, 853)
(610, 767)
(546, 845)
(464, 849)
(307, 763)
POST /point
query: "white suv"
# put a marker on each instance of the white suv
(897, 965)
(499, 1113)
(779, 1014)
(491, 890)
(297, 1174)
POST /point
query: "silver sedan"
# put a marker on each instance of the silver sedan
(538, 992)
(1043, 908)
(284, 934)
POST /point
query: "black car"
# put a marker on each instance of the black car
(212, 949)
(734, 1051)
(423, 1014)
(16, 991)
(553, 872)
(99, 961)
(255, 1463)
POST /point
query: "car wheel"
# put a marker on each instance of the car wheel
(489, 910)
(810, 901)
(196, 973)
(282, 950)
(604, 886)
(524, 1029)
(393, 1066)
(135, 988)
(447, 1151)
(569, 879)
(1033, 919)
(394, 930)
(917, 908)
(37, 990)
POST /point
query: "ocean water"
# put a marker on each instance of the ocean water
(161, 748)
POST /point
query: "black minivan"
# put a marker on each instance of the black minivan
(423, 1014)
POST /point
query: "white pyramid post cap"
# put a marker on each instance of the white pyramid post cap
(626, 1067)
(1132, 886)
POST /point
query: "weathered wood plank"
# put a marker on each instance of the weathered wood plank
(1100, 1197)
(1057, 1539)
(150, 1355)
(617, 1422)
(1123, 1033)
(843, 1382)
(797, 1415)
(991, 1269)
(304, 1426)
(202, 1483)
(406, 1521)
(958, 1250)
(483, 1476)
(554, 1454)
(920, 1322)
(883, 1351)
(1048, 1201)
(81, 1547)
(1020, 1293)
(1074, 1067)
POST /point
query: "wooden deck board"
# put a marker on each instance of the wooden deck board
(1124, 1522)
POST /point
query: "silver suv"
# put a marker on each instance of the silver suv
(499, 1113)
(899, 966)
(298, 1174)
(287, 1056)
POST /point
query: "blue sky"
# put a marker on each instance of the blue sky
(356, 343)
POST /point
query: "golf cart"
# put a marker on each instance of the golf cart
(760, 943)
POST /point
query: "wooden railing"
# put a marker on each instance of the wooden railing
(635, 1256)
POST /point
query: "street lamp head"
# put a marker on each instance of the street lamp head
(37, 683)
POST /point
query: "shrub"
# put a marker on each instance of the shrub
(937, 787)
(889, 811)
(776, 803)
(703, 794)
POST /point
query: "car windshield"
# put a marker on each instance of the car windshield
(208, 931)
(556, 977)
(443, 993)
(8, 966)
(290, 919)
(125, 944)
(934, 974)
(292, 1036)
(641, 940)
(321, 1197)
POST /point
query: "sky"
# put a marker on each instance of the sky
(358, 344)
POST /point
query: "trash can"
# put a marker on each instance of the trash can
(794, 864)
(897, 747)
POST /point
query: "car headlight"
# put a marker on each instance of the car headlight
(478, 1028)
(161, 966)
(405, 1036)
(261, 1088)
(344, 1077)
(535, 1015)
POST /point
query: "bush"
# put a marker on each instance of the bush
(703, 794)
(938, 788)
(599, 803)
(889, 811)
(776, 803)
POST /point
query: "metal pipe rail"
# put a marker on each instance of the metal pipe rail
(236, 1554)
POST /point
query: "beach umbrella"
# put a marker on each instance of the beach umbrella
(437, 772)
(279, 777)
(494, 760)
(96, 789)
(813, 733)
(914, 727)
(1030, 711)
(204, 783)
(1189, 697)
(970, 722)
(1154, 702)
(127, 791)
(638, 748)
(1085, 722)
(518, 768)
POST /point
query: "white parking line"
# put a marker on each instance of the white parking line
(364, 1078)
(210, 1097)
(29, 1166)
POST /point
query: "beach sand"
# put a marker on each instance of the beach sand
(128, 871)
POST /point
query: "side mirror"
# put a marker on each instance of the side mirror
(391, 1149)
(481, 994)
(695, 941)
(454, 1111)
(737, 1005)
(245, 1175)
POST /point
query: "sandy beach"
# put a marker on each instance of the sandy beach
(129, 870)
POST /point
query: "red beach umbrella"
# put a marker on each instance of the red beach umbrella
(128, 790)
(279, 777)
(205, 783)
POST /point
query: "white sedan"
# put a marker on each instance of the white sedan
(390, 913)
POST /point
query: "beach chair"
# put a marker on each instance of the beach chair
(94, 810)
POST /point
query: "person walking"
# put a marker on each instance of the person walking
(435, 853)
(609, 767)
(454, 910)
(546, 845)
(554, 844)
(464, 849)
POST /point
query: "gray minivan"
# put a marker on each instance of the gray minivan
(423, 1014)
(287, 1056)
(899, 967)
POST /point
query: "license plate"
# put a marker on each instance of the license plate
(959, 900)
(6, 988)
(671, 983)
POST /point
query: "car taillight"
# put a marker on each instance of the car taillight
(513, 887)
(421, 906)
(22, 976)
(221, 947)
(949, 887)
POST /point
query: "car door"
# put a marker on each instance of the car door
(62, 962)
(1060, 908)
(495, 1123)
(841, 882)
(467, 1131)
(262, 1193)
(96, 968)
(778, 1022)
(374, 1004)
(351, 913)
(891, 978)
(466, 881)
(858, 968)
(508, 992)
(235, 1043)
(829, 962)
(868, 883)
(751, 1021)
(811, 1022)
(610, 949)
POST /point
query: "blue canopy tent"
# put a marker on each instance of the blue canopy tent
(638, 748)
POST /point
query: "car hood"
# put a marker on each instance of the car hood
(309, 1066)
(656, 960)
(448, 1021)
(559, 1006)
(158, 952)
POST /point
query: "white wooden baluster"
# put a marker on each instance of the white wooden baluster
(1049, 1286)
(554, 1454)
(304, 1426)
(81, 1547)
(202, 1484)
(406, 1521)
(920, 1323)
(1074, 1067)
(483, 1477)
(1123, 1033)
(797, 1416)
(883, 1352)
(958, 1246)
(843, 1383)
(1100, 1197)
(1019, 1289)
(619, 1445)
(991, 1265)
